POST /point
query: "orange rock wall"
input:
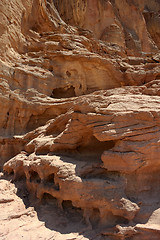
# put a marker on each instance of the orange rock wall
(80, 114)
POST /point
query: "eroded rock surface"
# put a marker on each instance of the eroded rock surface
(23, 217)
(80, 117)
(133, 24)
(112, 175)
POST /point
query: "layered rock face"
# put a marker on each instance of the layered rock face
(126, 23)
(80, 109)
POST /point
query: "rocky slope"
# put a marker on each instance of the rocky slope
(80, 117)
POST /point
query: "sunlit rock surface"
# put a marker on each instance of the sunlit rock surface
(80, 119)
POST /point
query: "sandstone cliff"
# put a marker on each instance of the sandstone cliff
(80, 115)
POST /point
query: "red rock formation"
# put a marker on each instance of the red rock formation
(133, 24)
(80, 112)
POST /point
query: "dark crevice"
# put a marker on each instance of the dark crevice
(92, 146)
(47, 196)
(51, 70)
(50, 182)
(121, 220)
(11, 173)
(34, 177)
(63, 92)
(50, 179)
(89, 148)
(101, 173)
(123, 69)
(68, 73)
(71, 211)
(56, 187)
(67, 204)
(48, 199)
(95, 217)
(57, 219)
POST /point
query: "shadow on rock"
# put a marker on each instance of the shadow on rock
(65, 220)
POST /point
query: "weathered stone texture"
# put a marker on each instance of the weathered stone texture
(80, 117)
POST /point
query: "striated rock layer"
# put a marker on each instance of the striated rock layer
(102, 155)
(80, 114)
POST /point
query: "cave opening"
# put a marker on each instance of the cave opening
(34, 176)
(66, 204)
(50, 182)
(48, 199)
(94, 148)
(74, 213)
(63, 92)
(47, 196)
(50, 179)
(11, 173)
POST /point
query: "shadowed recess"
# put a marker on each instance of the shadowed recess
(34, 176)
(63, 92)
